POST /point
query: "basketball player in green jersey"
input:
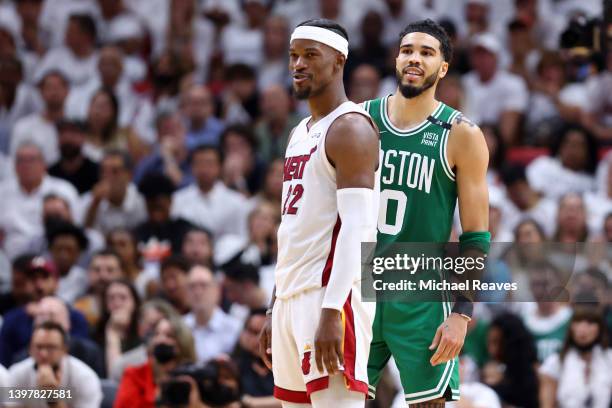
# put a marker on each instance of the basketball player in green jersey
(432, 155)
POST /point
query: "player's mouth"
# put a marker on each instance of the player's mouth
(413, 73)
(299, 78)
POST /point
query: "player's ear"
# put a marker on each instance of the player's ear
(443, 70)
(340, 61)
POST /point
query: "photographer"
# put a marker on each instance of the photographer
(170, 346)
(50, 367)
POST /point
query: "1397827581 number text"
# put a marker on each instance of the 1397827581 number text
(9, 394)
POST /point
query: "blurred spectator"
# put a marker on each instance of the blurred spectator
(104, 132)
(511, 370)
(579, 375)
(17, 324)
(243, 286)
(258, 248)
(122, 241)
(22, 199)
(244, 43)
(364, 84)
(55, 310)
(572, 164)
(115, 200)
(39, 128)
(151, 312)
(208, 203)
(597, 118)
(474, 394)
(547, 319)
(78, 56)
(18, 99)
(257, 380)
(273, 69)
(174, 272)
(160, 234)
(450, 91)
(50, 367)
(214, 331)
(524, 52)
(22, 285)
(4, 375)
(239, 98)
(73, 166)
(117, 329)
(524, 201)
(171, 157)
(493, 94)
(66, 244)
(170, 345)
(276, 122)
(599, 202)
(243, 170)
(197, 247)
(476, 18)
(127, 33)
(198, 107)
(273, 186)
(371, 50)
(396, 15)
(571, 220)
(497, 152)
(105, 266)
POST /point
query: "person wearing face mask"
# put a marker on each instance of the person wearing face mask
(579, 375)
(170, 345)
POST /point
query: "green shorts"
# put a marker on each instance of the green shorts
(405, 331)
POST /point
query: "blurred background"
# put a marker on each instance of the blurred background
(141, 166)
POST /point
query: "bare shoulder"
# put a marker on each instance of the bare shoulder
(352, 131)
(466, 142)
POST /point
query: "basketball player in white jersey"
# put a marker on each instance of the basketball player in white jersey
(318, 331)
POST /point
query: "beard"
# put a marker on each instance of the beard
(302, 94)
(409, 91)
(70, 151)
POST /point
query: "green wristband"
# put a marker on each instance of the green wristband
(480, 240)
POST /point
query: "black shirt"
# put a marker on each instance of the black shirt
(83, 179)
(171, 232)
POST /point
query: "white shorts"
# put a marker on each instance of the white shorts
(294, 325)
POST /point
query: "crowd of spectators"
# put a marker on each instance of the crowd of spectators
(141, 169)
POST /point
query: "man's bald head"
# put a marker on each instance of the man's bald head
(52, 308)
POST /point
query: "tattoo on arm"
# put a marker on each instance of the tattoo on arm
(463, 119)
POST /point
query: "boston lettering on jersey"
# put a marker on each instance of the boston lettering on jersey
(410, 169)
(295, 165)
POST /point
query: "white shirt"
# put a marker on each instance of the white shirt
(479, 395)
(108, 217)
(73, 285)
(82, 381)
(3, 377)
(77, 70)
(219, 336)
(242, 45)
(572, 388)
(544, 213)
(485, 102)
(21, 213)
(36, 129)
(221, 210)
(546, 175)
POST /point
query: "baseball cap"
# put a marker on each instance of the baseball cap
(488, 41)
(40, 264)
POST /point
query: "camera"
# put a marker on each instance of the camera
(218, 384)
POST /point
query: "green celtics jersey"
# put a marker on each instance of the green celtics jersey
(418, 193)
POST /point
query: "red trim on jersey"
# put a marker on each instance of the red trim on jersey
(317, 384)
(297, 397)
(330, 258)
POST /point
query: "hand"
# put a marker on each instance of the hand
(328, 341)
(265, 342)
(101, 190)
(449, 339)
(168, 148)
(46, 378)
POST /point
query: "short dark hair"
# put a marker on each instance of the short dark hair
(125, 157)
(512, 173)
(53, 326)
(71, 124)
(86, 23)
(109, 252)
(241, 272)
(239, 71)
(327, 24)
(62, 228)
(155, 185)
(591, 144)
(205, 148)
(243, 131)
(175, 261)
(22, 263)
(434, 29)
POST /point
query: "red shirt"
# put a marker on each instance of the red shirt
(137, 388)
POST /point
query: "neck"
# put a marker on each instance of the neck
(197, 124)
(206, 187)
(547, 308)
(328, 100)
(118, 199)
(407, 112)
(31, 186)
(203, 316)
(54, 114)
(486, 76)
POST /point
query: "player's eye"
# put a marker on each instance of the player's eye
(310, 55)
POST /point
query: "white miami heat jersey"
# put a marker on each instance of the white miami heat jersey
(310, 222)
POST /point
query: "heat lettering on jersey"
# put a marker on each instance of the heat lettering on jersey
(295, 165)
